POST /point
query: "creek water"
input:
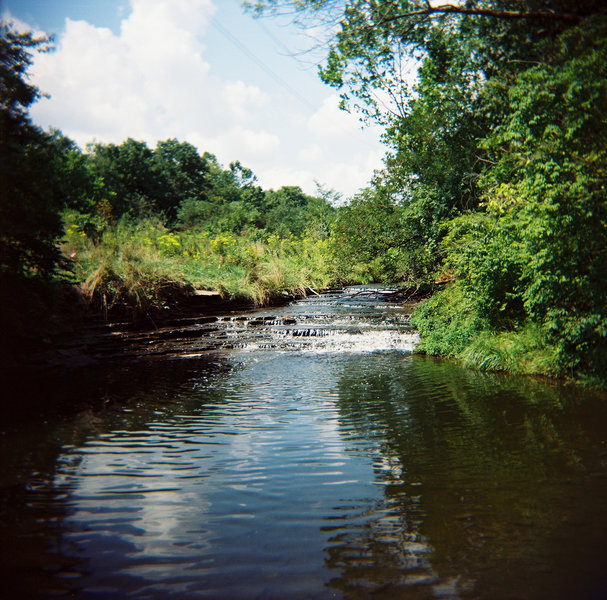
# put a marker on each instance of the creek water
(312, 455)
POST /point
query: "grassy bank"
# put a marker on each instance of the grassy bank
(450, 326)
(143, 266)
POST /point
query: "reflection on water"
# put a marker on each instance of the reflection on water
(297, 474)
(494, 487)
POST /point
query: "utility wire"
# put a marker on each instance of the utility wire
(285, 50)
(227, 34)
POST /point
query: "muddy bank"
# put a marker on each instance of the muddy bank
(82, 333)
(91, 351)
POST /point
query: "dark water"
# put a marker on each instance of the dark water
(317, 459)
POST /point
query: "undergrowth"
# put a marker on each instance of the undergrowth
(144, 267)
(450, 326)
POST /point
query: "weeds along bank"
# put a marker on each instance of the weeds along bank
(142, 265)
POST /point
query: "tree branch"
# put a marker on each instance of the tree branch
(482, 12)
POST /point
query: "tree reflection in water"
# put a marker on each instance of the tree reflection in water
(494, 487)
(303, 475)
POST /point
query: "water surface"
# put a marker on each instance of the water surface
(312, 457)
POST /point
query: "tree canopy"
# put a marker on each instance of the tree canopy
(494, 111)
(30, 166)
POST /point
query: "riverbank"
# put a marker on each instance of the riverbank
(85, 333)
(81, 342)
(79, 332)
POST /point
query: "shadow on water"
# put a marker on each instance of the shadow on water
(494, 486)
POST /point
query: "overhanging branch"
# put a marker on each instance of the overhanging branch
(486, 12)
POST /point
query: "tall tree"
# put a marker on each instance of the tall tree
(504, 126)
(33, 165)
(40, 173)
(183, 174)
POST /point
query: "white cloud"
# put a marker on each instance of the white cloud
(154, 80)
(330, 120)
(311, 153)
(276, 177)
(252, 143)
(19, 24)
(345, 176)
(240, 96)
(150, 82)
(353, 174)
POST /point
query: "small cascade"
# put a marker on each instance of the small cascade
(355, 320)
(310, 332)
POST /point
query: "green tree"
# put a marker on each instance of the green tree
(183, 175)
(41, 173)
(500, 143)
(130, 175)
(29, 212)
(535, 256)
(286, 211)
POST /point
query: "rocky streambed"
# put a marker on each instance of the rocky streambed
(98, 354)
(214, 325)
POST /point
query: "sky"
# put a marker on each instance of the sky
(201, 71)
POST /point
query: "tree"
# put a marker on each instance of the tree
(434, 121)
(502, 137)
(40, 174)
(533, 260)
(31, 163)
(131, 180)
(286, 211)
(183, 173)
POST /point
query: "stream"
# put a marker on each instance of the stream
(305, 453)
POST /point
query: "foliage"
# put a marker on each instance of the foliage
(131, 178)
(384, 235)
(534, 259)
(500, 140)
(187, 190)
(31, 164)
(142, 266)
(141, 227)
(494, 181)
(171, 219)
(40, 174)
(372, 240)
(451, 325)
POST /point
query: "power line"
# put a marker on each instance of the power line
(227, 34)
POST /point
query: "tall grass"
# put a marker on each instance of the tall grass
(523, 351)
(143, 267)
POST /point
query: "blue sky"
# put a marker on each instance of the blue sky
(202, 71)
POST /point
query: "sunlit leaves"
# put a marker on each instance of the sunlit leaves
(537, 252)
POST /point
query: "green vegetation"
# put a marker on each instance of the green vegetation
(142, 266)
(137, 229)
(34, 169)
(496, 176)
(160, 223)
(494, 186)
(531, 276)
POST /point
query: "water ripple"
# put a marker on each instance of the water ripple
(336, 465)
